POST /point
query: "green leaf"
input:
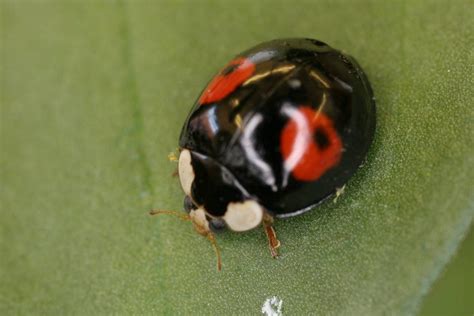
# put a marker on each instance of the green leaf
(451, 293)
(93, 96)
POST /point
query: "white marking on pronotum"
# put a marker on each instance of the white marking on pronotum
(243, 216)
(186, 172)
(272, 306)
(248, 142)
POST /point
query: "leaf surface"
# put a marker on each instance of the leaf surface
(93, 97)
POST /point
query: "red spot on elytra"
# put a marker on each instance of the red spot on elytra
(310, 144)
(232, 76)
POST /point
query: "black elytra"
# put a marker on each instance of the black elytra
(285, 124)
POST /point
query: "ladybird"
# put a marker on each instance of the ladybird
(279, 129)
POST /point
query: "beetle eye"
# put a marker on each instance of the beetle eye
(216, 224)
(188, 204)
(186, 171)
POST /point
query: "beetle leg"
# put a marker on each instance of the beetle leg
(172, 157)
(273, 242)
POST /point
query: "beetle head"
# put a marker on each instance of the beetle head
(215, 192)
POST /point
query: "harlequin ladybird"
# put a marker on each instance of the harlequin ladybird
(280, 128)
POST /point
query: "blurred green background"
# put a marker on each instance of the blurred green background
(452, 292)
(93, 96)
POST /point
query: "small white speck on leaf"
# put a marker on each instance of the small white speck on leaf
(272, 306)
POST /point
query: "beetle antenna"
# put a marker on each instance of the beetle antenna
(209, 235)
(212, 239)
(180, 215)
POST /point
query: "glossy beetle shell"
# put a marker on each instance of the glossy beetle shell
(290, 120)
